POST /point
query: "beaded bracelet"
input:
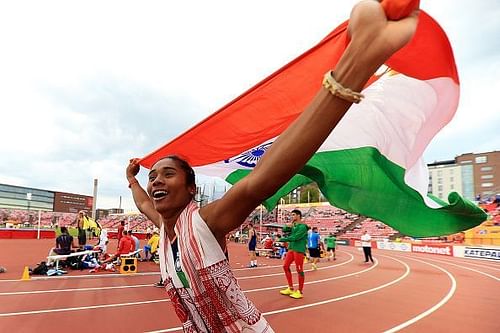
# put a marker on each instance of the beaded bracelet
(336, 89)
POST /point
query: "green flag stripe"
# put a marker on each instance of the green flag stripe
(363, 181)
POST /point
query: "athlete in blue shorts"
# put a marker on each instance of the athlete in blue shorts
(252, 244)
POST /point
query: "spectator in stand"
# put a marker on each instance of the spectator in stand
(2, 269)
(366, 243)
(64, 244)
(152, 246)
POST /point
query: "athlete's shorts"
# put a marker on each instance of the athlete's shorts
(252, 245)
(314, 253)
(328, 249)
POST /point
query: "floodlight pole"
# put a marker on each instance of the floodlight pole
(39, 221)
(261, 220)
(94, 200)
(28, 198)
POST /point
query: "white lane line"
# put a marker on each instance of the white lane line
(149, 285)
(166, 300)
(173, 329)
(93, 276)
(385, 285)
(9, 314)
(11, 280)
(72, 290)
(318, 281)
(279, 266)
(86, 276)
(467, 268)
(254, 268)
(432, 309)
(497, 268)
(406, 273)
(306, 270)
(35, 278)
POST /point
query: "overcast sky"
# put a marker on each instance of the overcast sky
(84, 86)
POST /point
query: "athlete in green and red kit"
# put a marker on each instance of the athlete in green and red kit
(297, 242)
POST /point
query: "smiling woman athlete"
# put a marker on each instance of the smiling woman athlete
(205, 294)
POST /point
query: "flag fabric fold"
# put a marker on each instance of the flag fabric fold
(371, 163)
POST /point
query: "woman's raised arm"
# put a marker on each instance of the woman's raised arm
(374, 39)
(141, 198)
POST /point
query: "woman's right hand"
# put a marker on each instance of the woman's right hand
(133, 168)
(378, 35)
(374, 38)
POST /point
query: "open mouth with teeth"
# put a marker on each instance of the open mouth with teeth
(159, 194)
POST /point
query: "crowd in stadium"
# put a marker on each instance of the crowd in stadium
(327, 219)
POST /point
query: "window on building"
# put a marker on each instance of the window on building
(481, 159)
(486, 184)
(440, 173)
(486, 176)
(452, 186)
(467, 177)
(466, 162)
(451, 171)
(452, 179)
(440, 195)
(486, 168)
(440, 187)
(440, 180)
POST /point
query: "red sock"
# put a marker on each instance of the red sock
(301, 281)
(299, 263)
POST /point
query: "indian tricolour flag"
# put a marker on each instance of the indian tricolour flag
(371, 163)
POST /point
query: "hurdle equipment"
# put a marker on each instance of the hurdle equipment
(60, 257)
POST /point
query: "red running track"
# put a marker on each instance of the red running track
(400, 292)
